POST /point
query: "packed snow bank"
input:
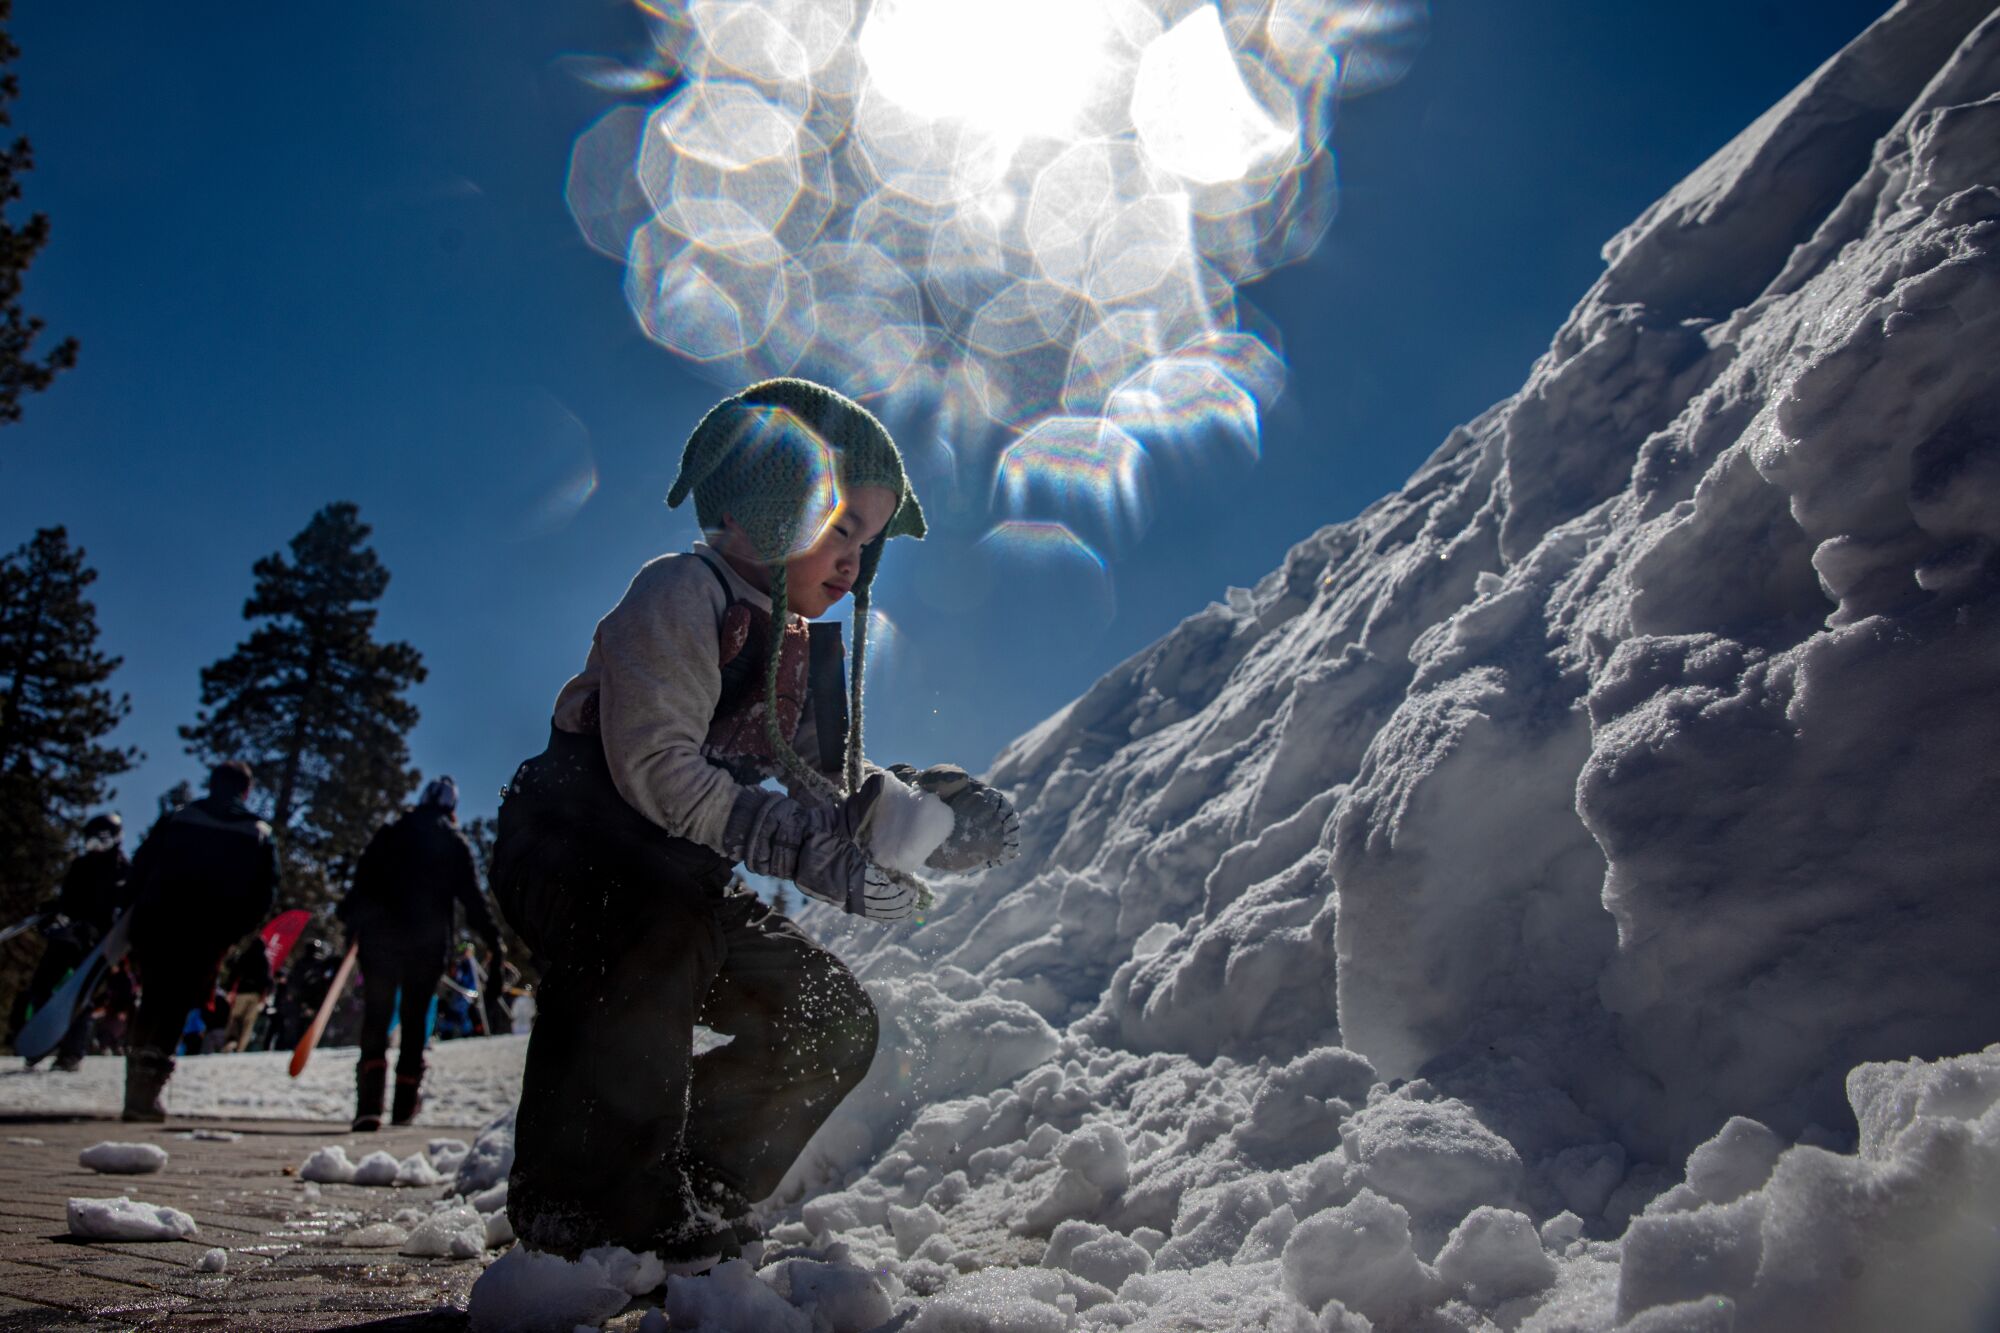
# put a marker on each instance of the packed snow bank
(125, 1219)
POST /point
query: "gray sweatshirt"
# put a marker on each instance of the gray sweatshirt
(654, 673)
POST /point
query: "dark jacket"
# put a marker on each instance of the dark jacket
(415, 867)
(96, 888)
(208, 873)
(250, 970)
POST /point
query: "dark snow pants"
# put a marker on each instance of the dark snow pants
(59, 959)
(176, 975)
(623, 1135)
(383, 970)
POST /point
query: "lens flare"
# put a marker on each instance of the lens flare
(1023, 221)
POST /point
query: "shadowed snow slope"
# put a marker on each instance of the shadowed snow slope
(1612, 790)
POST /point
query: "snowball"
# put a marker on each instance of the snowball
(375, 1236)
(731, 1296)
(837, 1298)
(125, 1219)
(1432, 1157)
(455, 1233)
(1096, 1254)
(213, 1261)
(1360, 1255)
(328, 1165)
(1495, 1255)
(905, 826)
(123, 1159)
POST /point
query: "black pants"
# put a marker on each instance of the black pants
(622, 1132)
(383, 970)
(175, 976)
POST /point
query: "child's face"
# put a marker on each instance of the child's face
(824, 572)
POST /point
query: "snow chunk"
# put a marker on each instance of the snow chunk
(125, 1219)
(214, 1261)
(835, 1297)
(1096, 1254)
(416, 1169)
(123, 1159)
(1432, 1157)
(730, 1296)
(906, 825)
(377, 1168)
(328, 1166)
(1737, 1160)
(1495, 1255)
(455, 1233)
(490, 1158)
(527, 1291)
(1360, 1255)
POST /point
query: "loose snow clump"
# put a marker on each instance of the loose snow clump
(125, 1219)
(123, 1159)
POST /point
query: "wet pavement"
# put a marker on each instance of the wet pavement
(287, 1268)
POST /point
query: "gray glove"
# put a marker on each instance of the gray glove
(985, 830)
(818, 850)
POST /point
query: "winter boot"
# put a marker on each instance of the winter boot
(371, 1078)
(146, 1075)
(409, 1098)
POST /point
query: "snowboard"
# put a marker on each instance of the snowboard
(21, 927)
(44, 1032)
(303, 1051)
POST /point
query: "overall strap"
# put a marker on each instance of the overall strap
(827, 677)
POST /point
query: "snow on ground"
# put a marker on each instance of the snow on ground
(123, 1159)
(128, 1219)
(470, 1082)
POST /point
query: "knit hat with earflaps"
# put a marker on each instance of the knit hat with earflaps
(775, 458)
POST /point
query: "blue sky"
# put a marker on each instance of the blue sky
(315, 255)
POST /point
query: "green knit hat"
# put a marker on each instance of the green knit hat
(775, 458)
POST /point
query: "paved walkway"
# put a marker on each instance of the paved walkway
(286, 1269)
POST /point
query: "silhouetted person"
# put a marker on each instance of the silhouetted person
(95, 889)
(205, 876)
(249, 976)
(400, 911)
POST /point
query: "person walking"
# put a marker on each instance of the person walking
(400, 912)
(94, 891)
(206, 874)
(249, 978)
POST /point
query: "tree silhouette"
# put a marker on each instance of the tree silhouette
(20, 370)
(54, 714)
(314, 704)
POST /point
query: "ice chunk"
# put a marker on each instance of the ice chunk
(126, 1219)
(123, 1159)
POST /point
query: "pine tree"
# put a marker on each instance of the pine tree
(20, 371)
(314, 704)
(54, 714)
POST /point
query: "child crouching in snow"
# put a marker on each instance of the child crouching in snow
(617, 845)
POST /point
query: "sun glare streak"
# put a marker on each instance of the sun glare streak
(1024, 222)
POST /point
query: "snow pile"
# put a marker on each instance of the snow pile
(525, 1291)
(1562, 894)
(123, 1159)
(124, 1219)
